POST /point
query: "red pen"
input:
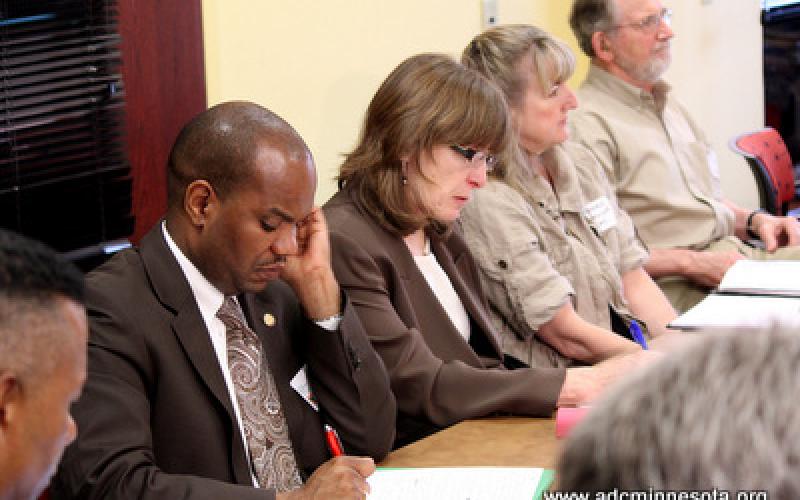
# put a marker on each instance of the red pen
(334, 444)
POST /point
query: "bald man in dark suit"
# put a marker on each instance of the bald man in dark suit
(168, 410)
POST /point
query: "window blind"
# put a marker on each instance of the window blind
(64, 177)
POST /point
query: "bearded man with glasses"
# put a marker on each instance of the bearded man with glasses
(664, 170)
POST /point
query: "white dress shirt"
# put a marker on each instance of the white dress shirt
(443, 289)
(209, 300)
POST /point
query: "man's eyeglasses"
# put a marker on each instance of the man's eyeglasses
(474, 157)
(650, 24)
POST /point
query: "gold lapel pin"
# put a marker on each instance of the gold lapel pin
(269, 319)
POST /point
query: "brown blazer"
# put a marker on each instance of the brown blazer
(437, 377)
(155, 419)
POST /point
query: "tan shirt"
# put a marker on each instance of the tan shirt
(664, 170)
(536, 249)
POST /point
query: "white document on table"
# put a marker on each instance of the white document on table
(455, 483)
(762, 277)
(728, 311)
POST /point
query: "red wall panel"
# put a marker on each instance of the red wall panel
(164, 77)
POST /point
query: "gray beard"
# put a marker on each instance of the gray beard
(650, 72)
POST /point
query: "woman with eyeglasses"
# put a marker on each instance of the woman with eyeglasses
(431, 132)
(558, 257)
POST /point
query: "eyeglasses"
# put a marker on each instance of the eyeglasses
(474, 157)
(650, 24)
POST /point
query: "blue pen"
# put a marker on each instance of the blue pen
(636, 333)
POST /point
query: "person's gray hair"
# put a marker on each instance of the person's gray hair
(720, 414)
(587, 18)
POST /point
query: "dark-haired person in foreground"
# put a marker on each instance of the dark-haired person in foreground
(722, 414)
(201, 358)
(42, 362)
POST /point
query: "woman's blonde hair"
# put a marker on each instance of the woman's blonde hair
(428, 100)
(509, 56)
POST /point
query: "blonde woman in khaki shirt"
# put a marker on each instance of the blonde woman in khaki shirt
(558, 256)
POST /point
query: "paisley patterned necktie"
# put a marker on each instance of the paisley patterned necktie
(264, 424)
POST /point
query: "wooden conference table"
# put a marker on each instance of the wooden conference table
(500, 441)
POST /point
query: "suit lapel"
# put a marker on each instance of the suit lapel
(172, 289)
(456, 263)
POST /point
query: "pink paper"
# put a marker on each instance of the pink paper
(567, 418)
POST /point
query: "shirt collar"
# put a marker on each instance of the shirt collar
(564, 195)
(631, 95)
(209, 299)
(566, 181)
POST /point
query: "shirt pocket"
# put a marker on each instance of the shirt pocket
(533, 285)
(702, 170)
(554, 244)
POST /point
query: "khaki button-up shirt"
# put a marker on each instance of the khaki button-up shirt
(536, 250)
(663, 168)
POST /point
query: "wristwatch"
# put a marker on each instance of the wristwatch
(749, 225)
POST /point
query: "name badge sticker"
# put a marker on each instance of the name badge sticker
(600, 214)
(300, 384)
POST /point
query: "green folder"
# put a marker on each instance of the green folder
(544, 482)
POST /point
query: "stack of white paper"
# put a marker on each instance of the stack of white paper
(757, 277)
(455, 483)
(739, 311)
(752, 293)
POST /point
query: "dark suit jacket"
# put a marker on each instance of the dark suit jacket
(437, 377)
(155, 420)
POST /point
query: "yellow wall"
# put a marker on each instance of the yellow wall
(317, 63)
(717, 73)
